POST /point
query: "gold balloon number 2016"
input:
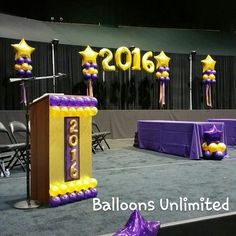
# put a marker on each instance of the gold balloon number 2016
(124, 59)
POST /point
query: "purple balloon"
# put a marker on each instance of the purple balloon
(94, 192)
(213, 81)
(28, 60)
(94, 76)
(167, 68)
(79, 196)
(79, 101)
(208, 72)
(161, 69)
(94, 65)
(167, 78)
(72, 197)
(207, 154)
(64, 101)
(87, 101)
(213, 72)
(20, 60)
(86, 65)
(87, 194)
(94, 101)
(87, 76)
(54, 100)
(71, 101)
(28, 73)
(20, 72)
(137, 225)
(218, 155)
(64, 199)
(162, 78)
(55, 201)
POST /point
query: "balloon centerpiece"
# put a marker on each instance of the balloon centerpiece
(162, 74)
(209, 77)
(213, 148)
(23, 63)
(89, 64)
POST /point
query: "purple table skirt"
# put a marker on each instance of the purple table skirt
(230, 130)
(182, 138)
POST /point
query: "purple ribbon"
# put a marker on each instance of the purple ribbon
(23, 94)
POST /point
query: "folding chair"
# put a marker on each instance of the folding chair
(10, 153)
(98, 137)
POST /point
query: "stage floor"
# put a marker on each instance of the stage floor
(127, 176)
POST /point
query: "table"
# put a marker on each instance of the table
(182, 138)
(230, 130)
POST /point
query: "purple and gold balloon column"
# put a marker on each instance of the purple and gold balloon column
(89, 64)
(23, 63)
(209, 77)
(162, 75)
(212, 147)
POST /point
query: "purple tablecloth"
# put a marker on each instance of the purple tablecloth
(230, 130)
(183, 138)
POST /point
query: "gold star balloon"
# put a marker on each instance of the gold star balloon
(208, 63)
(23, 49)
(162, 59)
(88, 55)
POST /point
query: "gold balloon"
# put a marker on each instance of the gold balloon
(162, 59)
(71, 186)
(89, 55)
(23, 49)
(212, 76)
(205, 146)
(158, 74)
(208, 63)
(205, 77)
(212, 147)
(165, 74)
(93, 111)
(54, 190)
(78, 185)
(63, 189)
(107, 59)
(147, 64)
(221, 147)
(93, 183)
(128, 56)
(17, 67)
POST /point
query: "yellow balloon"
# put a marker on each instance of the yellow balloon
(86, 111)
(147, 64)
(85, 183)
(212, 76)
(136, 59)
(64, 110)
(158, 74)
(30, 67)
(54, 190)
(205, 77)
(23, 49)
(208, 63)
(63, 189)
(205, 146)
(162, 59)
(17, 67)
(72, 111)
(128, 56)
(55, 111)
(25, 66)
(93, 111)
(165, 74)
(71, 186)
(221, 147)
(93, 183)
(212, 147)
(89, 55)
(78, 185)
(79, 111)
(105, 62)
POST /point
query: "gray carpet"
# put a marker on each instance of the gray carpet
(132, 175)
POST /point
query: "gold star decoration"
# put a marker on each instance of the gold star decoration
(23, 49)
(162, 59)
(208, 63)
(88, 55)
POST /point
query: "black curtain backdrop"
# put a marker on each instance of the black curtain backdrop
(119, 90)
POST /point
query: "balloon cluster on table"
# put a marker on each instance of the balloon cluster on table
(89, 64)
(23, 63)
(137, 225)
(209, 77)
(212, 147)
(162, 74)
(69, 192)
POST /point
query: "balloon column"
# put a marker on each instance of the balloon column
(212, 147)
(89, 64)
(23, 63)
(162, 74)
(209, 77)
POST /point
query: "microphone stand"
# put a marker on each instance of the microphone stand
(29, 203)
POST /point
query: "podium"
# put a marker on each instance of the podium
(61, 148)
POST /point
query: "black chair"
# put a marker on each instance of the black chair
(98, 137)
(10, 152)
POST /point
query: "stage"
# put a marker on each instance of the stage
(128, 175)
